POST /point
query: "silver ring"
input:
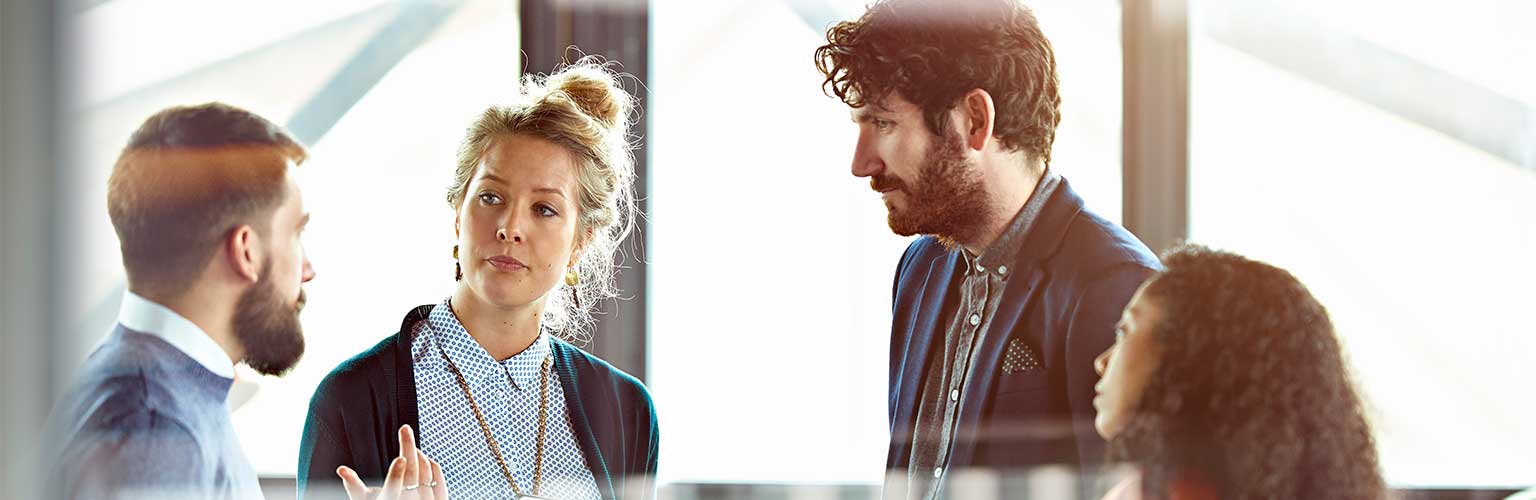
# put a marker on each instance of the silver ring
(412, 487)
(432, 484)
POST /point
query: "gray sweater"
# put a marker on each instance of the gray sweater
(144, 420)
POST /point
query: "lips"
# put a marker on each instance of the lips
(885, 183)
(506, 263)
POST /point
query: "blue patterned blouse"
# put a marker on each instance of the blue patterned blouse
(507, 393)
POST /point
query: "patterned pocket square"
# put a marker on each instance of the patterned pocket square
(1021, 358)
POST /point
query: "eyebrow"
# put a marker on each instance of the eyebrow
(546, 189)
(868, 116)
(550, 190)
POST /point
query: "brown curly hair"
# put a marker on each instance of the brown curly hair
(1252, 392)
(932, 52)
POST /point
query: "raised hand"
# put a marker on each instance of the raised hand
(412, 476)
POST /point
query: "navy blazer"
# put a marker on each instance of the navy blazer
(1073, 274)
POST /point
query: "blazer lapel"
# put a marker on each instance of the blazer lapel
(1020, 292)
(923, 322)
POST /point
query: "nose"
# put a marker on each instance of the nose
(511, 231)
(309, 271)
(1101, 363)
(865, 161)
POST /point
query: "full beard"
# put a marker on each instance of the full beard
(947, 201)
(268, 328)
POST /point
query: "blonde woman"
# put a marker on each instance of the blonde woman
(488, 377)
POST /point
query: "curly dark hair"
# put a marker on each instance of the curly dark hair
(931, 52)
(1252, 392)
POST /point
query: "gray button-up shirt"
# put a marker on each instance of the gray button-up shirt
(980, 295)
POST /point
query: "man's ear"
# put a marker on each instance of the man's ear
(243, 252)
(978, 115)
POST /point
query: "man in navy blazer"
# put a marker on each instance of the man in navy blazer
(1013, 288)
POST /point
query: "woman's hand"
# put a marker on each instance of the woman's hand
(412, 476)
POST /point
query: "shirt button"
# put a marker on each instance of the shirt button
(1002, 269)
(938, 471)
(980, 268)
(954, 395)
(975, 319)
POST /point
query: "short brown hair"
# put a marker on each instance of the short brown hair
(188, 176)
(931, 52)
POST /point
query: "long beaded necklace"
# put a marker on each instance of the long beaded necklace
(485, 429)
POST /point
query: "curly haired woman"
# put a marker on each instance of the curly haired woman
(1226, 381)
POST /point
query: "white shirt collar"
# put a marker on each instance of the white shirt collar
(144, 316)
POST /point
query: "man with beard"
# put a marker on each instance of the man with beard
(1014, 287)
(209, 217)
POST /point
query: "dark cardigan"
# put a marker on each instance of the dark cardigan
(359, 407)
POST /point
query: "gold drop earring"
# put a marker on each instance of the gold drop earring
(571, 280)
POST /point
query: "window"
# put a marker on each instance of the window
(1367, 147)
(771, 265)
(383, 121)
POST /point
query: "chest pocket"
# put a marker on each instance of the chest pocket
(1022, 368)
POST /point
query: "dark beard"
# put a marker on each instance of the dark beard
(268, 329)
(947, 201)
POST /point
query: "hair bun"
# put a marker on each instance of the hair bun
(594, 90)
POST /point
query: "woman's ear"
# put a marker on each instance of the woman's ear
(580, 248)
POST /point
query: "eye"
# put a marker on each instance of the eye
(884, 124)
(545, 210)
(489, 198)
(1119, 333)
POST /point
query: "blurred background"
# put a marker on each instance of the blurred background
(1383, 151)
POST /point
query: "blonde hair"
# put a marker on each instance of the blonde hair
(581, 108)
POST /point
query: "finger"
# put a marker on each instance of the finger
(441, 489)
(409, 452)
(395, 481)
(356, 490)
(407, 441)
(424, 474)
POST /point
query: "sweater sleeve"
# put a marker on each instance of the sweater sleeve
(653, 445)
(641, 483)
(352, 421)
(322, 449)
(148, 456)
